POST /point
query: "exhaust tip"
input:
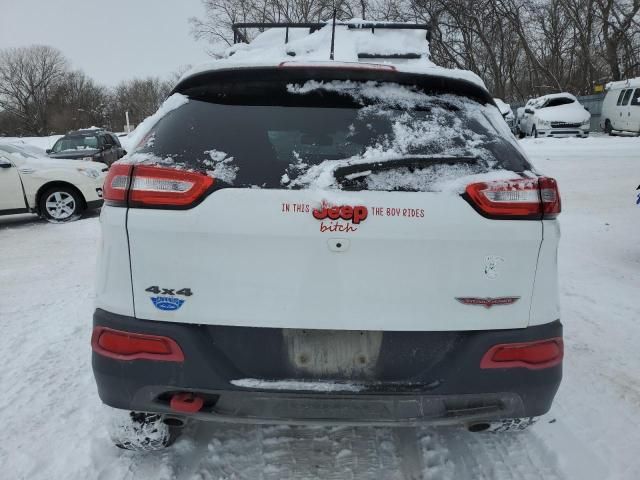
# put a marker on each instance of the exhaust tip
(478, 427)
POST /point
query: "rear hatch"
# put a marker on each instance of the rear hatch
(333, 200)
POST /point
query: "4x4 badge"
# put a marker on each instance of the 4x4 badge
(488, 302)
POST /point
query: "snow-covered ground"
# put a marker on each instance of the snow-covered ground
(53, 420)
(43, 143)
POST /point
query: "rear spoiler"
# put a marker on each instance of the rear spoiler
(250, 84)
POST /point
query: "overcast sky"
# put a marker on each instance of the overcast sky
(110, 40)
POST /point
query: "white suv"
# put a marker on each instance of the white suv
(330, 243)
(57, 190)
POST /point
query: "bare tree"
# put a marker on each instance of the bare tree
(28, 77)
(77, 103)
(619, 19)
(139, 97)
(215, 27)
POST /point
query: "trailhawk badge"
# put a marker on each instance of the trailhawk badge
(488, 302)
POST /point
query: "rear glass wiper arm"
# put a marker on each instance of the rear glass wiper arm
(404, 162)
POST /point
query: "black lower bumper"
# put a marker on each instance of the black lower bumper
(259, 375)
(93, 204)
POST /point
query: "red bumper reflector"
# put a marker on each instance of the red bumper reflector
(134, 346)
(532, 355)
(186, 402)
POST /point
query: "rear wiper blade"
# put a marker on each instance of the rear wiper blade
(352, 171)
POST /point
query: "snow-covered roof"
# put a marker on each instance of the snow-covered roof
(269, 49)
(544, 98)
(629, 83)
(552, 96)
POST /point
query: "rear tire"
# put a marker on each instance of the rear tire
(521, 134)
(608, 129)
(61, 204)
(141, 432)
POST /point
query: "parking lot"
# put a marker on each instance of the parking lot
(54, 423)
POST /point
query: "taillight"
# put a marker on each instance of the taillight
(134, 346)
(116, 184)
(154, 186)
(523, 198)
(532, 355)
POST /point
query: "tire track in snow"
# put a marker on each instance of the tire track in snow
(237, 452)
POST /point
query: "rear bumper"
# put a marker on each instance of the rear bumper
(93, 204)
(407, 378)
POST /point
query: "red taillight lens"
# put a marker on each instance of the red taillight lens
(531, 355)
(550, 197)
(116, 184)
(524, 198)
(134, 346)
(152, 186)
(166, 187)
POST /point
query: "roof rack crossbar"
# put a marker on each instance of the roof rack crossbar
(238, 36)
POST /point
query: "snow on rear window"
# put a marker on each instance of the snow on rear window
(221, 166)
(446, 124)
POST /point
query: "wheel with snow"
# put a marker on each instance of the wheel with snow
(141, 432)
(504, 425)
(61, 204)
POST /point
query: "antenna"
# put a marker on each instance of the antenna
(333, 34)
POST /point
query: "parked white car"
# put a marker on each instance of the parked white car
(57, 190)
(621, 107)
(555, 115)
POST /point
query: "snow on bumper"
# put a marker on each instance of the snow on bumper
(270, 375)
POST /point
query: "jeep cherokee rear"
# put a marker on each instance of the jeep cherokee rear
(325, 244)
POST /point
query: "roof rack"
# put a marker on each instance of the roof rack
(240, 37)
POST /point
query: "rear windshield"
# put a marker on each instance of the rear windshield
(390, 138)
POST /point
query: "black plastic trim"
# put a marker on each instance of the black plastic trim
(14, 211)
(93, 204)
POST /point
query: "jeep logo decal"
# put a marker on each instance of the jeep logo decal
(356, 214)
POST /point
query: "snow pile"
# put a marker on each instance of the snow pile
(40, 143)
(269, 49)
(348, 43)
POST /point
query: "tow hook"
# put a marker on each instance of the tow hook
(186, 402)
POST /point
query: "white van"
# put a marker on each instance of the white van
(621, 107)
